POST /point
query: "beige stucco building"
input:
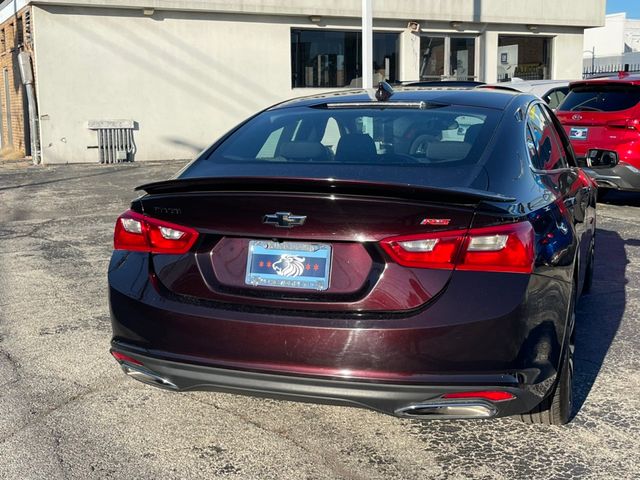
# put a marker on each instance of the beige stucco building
(615, 44)
(183, 72)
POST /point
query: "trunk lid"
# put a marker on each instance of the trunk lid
(337, 243)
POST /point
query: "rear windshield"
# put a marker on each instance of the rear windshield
(601, 98)
(439, 145)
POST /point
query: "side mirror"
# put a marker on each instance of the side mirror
(602, 158)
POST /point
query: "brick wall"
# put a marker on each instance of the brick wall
(14, 36)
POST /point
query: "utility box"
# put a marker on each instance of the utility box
(115, 140)
(26, 72)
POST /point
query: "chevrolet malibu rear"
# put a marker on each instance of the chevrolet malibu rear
(404, 254)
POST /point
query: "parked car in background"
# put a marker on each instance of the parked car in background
(551, 91)
(361, 251)
(602, 118)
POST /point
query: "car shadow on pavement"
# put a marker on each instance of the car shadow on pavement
(613, 197)
(599, 313)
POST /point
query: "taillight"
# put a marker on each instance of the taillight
(435, 250)
(626, 123)
(138, 232)
(505, 248)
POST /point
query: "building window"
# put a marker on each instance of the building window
(333, 58)
(525, 57)
(3, 41)
(7, 105)
(19, 32)
(447, 57)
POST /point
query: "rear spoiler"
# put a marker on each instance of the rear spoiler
(506, 88)
(602, 82)
(326, 185)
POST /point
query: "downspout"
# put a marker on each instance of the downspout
(26, 74)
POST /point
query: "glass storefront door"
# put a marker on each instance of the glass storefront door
(462, 65)
(432, 58)
(447, 57)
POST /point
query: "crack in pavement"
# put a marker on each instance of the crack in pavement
(57, 440)
(336, 468)
(49, 411)
(15, 367)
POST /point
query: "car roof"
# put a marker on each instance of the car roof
(443, 83)
(622, 79)
(527, 86)
(484, 98)
(533, 83)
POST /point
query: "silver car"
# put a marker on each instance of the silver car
(551, 91)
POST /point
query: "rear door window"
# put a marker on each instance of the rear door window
(555, 97)
(545, 148)
(601, 98)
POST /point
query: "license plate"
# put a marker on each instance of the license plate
(578, 133)
(288, 265)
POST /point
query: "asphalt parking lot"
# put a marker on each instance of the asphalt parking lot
(67, 412)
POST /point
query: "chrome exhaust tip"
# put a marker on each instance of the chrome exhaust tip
(146, 376)
(448, 410)
(605, 184)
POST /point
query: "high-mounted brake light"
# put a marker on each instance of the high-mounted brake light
(140, 233)
(504, 248)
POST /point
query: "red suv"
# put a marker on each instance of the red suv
(602, 119)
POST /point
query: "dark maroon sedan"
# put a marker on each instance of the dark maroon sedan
(416, 252)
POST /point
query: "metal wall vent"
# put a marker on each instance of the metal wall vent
(115, 140)
(27, 28)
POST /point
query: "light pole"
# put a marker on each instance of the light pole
(367, 44)
(593, 57)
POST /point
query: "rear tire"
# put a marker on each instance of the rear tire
(557, 407)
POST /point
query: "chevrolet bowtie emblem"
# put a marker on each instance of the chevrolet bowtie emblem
(284, 219)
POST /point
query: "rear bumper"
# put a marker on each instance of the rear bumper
(506, 335)
(490, 332)
(407, 400)
(621, 177)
